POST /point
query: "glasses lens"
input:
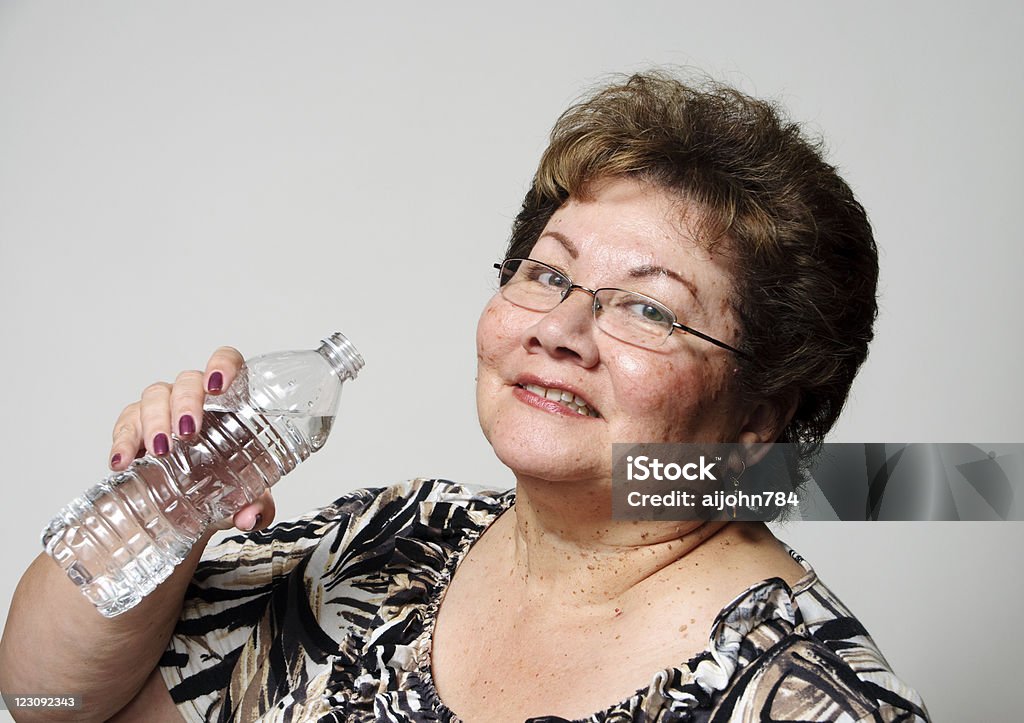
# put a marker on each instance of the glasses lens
(632, 317)
(531, 284)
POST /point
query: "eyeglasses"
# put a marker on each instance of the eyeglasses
(626, 315)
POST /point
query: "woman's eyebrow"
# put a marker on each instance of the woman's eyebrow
(640, 272)
(561, 238)
(649, 270)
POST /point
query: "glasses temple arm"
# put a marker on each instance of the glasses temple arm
(711, 339)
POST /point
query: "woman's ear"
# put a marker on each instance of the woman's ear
(765, 423)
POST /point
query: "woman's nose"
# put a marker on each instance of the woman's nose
(568, 331)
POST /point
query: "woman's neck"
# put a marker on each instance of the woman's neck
(567, 549)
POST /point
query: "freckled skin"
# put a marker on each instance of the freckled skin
(682, 391)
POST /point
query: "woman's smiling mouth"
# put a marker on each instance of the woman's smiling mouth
(561, 397)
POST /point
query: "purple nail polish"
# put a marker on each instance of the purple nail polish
(115, 460)
(186, 425)
(216, 382)
(160, 445)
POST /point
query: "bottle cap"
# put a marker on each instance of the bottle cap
(343, 355)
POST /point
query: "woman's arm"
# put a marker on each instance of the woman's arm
(56, 643)
(153, 704)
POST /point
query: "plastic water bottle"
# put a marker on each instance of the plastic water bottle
(123, 537)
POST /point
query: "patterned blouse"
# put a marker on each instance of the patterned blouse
(329, 617)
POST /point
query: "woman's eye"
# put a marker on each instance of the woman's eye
(650, 313)
(550, 278)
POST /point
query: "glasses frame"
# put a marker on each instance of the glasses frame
(594, 292)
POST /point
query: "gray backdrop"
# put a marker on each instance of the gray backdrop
(179, 175)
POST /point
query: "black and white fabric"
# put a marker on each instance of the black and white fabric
(329, 618)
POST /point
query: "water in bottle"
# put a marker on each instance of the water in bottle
(124, 536)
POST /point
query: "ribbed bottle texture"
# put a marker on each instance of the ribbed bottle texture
(124, 536)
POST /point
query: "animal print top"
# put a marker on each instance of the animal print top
(329, 618)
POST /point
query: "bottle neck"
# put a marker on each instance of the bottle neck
(341, 355)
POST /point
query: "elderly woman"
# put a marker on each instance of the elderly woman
(685, 267)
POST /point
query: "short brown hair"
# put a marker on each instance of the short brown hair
(805, 258)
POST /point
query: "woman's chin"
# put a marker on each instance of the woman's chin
(554, 465)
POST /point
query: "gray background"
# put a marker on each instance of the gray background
(175, 176)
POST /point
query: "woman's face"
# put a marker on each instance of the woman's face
(633, 236)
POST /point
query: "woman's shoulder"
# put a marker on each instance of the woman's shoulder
(796, 652)
(385, 504)
(834, 651)
(366, 504)
(361, 517)
(807, 678)
(421, 489)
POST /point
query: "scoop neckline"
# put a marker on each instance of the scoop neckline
(506, 501)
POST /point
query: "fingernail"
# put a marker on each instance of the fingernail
(115, 460)
(186, 425)
(216, 382)
(256, 522)
(160, 445)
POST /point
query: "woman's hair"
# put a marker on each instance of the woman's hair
(805, 261)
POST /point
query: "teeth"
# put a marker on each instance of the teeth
(566, 399)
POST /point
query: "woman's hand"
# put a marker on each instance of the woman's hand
(165, 409)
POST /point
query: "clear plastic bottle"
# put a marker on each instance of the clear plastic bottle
(123, 537)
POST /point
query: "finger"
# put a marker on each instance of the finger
(126, 437)
(258, 515)
(155, 413)
(222, 369)
(187, 397)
